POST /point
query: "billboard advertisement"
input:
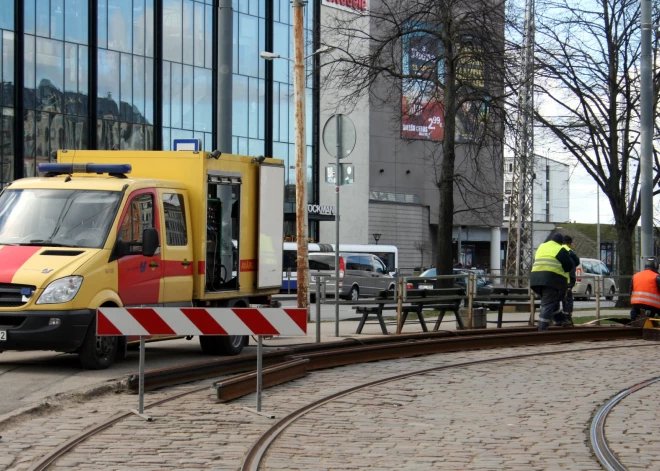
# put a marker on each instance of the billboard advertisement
(422, 113)
(422, 107)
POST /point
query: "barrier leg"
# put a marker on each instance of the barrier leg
(318, 310)
(259, 379)
(140, 409)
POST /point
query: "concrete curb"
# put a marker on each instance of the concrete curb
(50, 404)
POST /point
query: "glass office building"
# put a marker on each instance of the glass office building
(137, 74)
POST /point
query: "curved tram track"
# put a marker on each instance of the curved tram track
(255, 456)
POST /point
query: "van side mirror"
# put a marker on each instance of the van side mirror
(150, 242)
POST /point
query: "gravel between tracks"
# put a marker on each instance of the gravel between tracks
(517, 415)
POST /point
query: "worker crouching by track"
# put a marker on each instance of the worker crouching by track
(549, 279)
(645, 291)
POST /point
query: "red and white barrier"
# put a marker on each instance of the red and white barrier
(200, 321)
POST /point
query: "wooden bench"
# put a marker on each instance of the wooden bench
(507, 297)
(417, 300)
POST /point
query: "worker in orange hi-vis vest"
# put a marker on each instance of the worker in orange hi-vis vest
(645, 291)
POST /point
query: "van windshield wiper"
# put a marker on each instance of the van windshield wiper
(46, 243)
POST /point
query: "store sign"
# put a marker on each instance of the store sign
(356, 6)
(321, 209)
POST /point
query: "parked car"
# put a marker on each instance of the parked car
(359, 274)
(483, 288)
(585, 275)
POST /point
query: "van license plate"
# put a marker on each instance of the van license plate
(3, 335)
(425, 286)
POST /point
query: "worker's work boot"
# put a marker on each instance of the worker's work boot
(543, 326)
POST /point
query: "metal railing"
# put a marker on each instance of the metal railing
(603, 296)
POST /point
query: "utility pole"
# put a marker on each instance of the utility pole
(646, 102)
(301, 151)
(519, 255)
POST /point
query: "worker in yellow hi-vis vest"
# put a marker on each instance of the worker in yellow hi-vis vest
(549, 278)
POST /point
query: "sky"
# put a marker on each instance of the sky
(583, 198)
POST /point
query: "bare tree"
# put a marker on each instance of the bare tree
(587, 74)
(421, 247)
(438, 64)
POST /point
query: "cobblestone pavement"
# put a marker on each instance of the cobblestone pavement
(632, 428)
(518, 415)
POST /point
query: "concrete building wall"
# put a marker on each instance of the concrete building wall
(551, 189)
(354, 198)
(410, 233)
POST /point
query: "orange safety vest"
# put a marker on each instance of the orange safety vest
(645, 291)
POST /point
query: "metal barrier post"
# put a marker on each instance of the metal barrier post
(401, 293)
(288, 280)
(471, 285)
(532, 306)
(598, 291)
(140, 410)
(318, 310)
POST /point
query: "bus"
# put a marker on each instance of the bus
(389, 254)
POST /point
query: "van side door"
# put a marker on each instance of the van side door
(177, 248)
(139, 276)
(381, 275)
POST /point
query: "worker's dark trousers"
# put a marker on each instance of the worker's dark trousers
(550, 298)
(567, 300)
(650, 311)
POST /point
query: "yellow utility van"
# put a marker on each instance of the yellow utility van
(128, 228)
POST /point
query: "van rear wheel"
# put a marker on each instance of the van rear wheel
(223, 345)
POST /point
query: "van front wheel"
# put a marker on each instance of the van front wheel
(223, 345)
(97, 353)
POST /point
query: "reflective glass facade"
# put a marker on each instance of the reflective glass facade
(188, 71)
(7, 136)
(125, 62)
(137, 74)
(55, 79)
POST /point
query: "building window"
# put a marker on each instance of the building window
(507, 187)
(125, 100)
(188, 71)
(7, 141)
(56, 73)
(507, 208)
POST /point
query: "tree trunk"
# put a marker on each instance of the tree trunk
(625, 235)
(444, 261)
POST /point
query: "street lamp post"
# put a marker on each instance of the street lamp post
(301, 146)
(646, 135)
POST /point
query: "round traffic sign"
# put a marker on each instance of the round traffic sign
(342, 126)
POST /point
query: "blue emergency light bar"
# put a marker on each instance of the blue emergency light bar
(52, 169)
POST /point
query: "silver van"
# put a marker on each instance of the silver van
(585, 274)
(359, 274)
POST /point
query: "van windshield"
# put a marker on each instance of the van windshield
(57, 218)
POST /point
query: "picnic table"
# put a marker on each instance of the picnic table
(417, 300)
(507, 297)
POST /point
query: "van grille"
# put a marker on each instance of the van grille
(10, 294)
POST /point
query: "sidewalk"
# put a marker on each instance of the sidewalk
(347, 328)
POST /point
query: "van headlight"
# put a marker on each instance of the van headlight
(61, 291)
